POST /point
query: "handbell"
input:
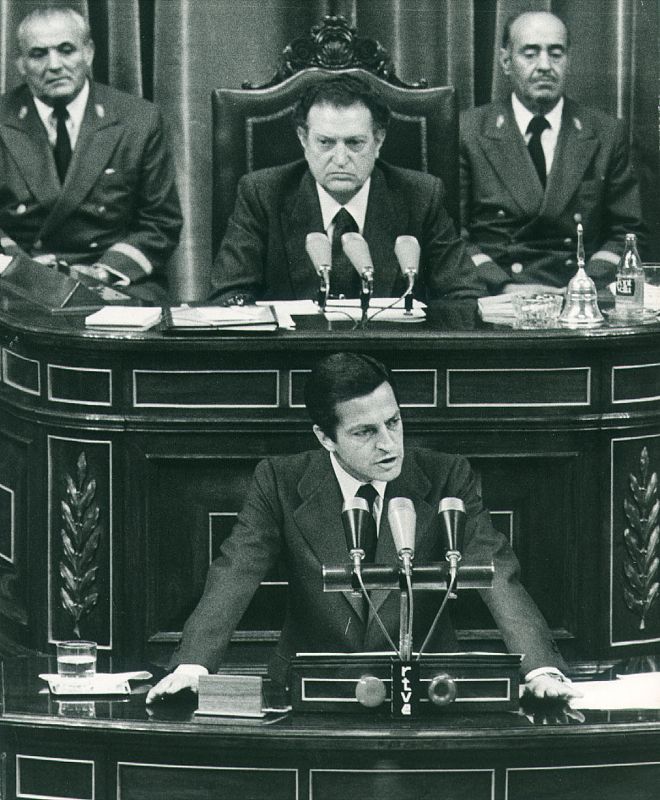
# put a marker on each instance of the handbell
(581, 306)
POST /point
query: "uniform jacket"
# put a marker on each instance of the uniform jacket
(263, 252)
(293, 511)
(119, 203)
(529, 234)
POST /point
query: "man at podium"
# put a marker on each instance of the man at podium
(86, 176)
(293, 512)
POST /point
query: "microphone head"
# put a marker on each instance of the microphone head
(354, 516)
(407, 251)
(451, 514)
(402, 517)
(357, 252)
(319, 250)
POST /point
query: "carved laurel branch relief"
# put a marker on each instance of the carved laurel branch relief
(80, 539)
(642, 541)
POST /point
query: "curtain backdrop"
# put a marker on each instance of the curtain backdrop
(175, 51)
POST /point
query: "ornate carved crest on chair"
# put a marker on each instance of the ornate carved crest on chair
(334, 45)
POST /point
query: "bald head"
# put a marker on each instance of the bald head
(534, 56)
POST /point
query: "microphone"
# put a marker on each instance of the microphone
(402, 517)
(407, 252)
(355, 516)
(319, 250)
(357, 252)
(451, 514)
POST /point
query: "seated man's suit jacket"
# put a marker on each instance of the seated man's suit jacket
(293, 511)
(531, 235)
(263, 251)
(118, 205)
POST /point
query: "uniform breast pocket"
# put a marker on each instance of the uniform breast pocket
(114, 191)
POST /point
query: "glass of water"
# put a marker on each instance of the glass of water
(76, 659)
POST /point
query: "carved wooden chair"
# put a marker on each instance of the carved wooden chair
(253, 127)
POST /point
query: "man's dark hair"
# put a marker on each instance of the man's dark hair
(342, 91)
(508, 24)
(340, 377)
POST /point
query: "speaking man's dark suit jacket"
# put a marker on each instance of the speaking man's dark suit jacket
(531, 236)
(263, 251)
(119, 203)
(293, 511)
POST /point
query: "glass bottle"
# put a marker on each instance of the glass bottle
(629, 293)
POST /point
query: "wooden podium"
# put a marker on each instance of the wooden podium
(362, 682)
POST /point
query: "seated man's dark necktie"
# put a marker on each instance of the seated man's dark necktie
(344, 278)
(370, 535)
(536, 127)
(62, 149)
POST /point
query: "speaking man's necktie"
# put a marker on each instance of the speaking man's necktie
(344, 278)
(62, 150)
(536, 127)
(370, 536)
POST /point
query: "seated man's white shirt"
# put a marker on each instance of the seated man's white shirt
(523, 117)
(76, 109)
(356, 207)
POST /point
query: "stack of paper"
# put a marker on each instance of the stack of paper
(381, 309)
(497, 310)
(133, 318)
(252, 317)
(100, 683)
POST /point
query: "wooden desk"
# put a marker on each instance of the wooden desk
(114, 749)
(167, 431)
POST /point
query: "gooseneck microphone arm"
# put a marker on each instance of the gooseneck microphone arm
(402, 517)
(407, 252)
(357, 252)
(319, 250)
(452, 517)
(354, 517)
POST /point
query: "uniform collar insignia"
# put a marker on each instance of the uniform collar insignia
(577, 123)
(499, 121)
(100, 110)
(23, 111)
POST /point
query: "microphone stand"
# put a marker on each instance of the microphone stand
(408, 296)
(406, 607)
(366, 290)
(324, 288)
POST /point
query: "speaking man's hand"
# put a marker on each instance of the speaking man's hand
(548, 686)
(185, 676)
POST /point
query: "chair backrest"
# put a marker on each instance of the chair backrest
(253, 127)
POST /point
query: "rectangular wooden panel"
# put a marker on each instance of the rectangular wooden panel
(205, 388)
(403, 784)
(182, 782)
(417, 388)
(638, 383)
(613, 782)
(54, 778)
(79, 385)
(20, 372)
(7, 524)
(506, 388)
(80, 487)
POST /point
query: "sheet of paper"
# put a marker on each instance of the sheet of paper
(630, 691)
(135, 317)
(382, 309)
(223, 317)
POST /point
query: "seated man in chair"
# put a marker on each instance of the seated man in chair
(340, 186)
(86, 175)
